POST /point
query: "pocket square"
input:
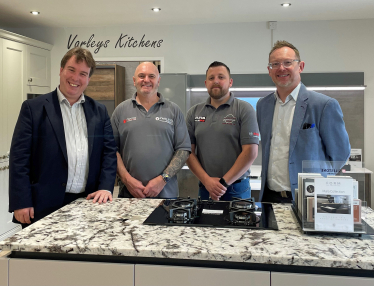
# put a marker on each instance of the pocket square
(308, 125)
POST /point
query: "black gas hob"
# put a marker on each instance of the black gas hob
(239, 213)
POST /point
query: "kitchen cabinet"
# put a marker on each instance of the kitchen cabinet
(156, 275)
(107, 86)
(61, 273)
(38, 67)
(24, 68)
(13, 92)
(292, 279)
(4, 271)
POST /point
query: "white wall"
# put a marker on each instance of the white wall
(325, 46)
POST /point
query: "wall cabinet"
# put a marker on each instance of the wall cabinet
(38, 67)
(24, 65)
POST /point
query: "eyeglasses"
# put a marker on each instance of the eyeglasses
(285, 63)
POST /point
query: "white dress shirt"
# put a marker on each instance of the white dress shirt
(75, 129)
(278, 178)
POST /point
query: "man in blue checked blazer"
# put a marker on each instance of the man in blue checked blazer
(295, 125)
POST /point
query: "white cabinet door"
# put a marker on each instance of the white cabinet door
(38, 66)
(290, 279)
(14, 72)
(4, 271)
(33, 272)
(155, 275)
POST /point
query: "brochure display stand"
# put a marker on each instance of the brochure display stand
(327, 200)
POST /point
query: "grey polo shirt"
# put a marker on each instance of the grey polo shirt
(147, 140)
(220, 133)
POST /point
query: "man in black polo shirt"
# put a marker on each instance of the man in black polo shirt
(225, 134)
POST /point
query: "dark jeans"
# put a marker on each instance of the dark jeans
(241, 190)
(271, 196)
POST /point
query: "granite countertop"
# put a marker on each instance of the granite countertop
(116, 229)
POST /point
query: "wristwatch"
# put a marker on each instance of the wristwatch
(165, 177)
(223, 182)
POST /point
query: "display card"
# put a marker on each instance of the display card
(333, 204)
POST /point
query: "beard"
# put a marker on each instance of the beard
(217, 93)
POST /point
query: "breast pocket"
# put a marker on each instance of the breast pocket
(309, 143)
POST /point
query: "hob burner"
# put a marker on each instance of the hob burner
(242, 205)
(183, 211)
(241, 212)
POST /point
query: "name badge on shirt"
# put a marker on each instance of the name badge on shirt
(200, 118)
(229, 119)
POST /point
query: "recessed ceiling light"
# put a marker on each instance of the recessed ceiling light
(156, 9)
(286, 4)
(35, 12)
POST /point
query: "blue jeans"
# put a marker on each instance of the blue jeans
(240, 190)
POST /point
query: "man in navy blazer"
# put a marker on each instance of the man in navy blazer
(295, 125)
(62, 147)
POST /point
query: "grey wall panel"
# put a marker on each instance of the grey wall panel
(173, 87)
(309, 79)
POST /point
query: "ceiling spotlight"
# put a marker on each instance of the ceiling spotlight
(35, 12)
(156, 9)
(286, 4)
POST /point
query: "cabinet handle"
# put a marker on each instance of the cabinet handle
(30, 79)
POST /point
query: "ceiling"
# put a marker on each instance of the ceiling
(91, 13)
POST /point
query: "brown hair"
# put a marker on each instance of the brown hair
(80, 55)
(281, 44)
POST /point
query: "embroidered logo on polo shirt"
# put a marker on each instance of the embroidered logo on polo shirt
(254, 134)
(229, 119)
(166, 120)
(200, 118)
(129, 119)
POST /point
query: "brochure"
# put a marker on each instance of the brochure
(333, 204)
(355, 159)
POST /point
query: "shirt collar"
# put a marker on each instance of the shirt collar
(62, 98)
(294, 94)
(161, 98)
(231, 99)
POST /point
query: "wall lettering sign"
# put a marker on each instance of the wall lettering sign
(123, 41)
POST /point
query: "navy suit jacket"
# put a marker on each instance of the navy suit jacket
(38, 163)
(327, 141)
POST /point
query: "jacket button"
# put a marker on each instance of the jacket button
(63, 184)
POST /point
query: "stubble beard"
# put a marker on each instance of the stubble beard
(217, 95)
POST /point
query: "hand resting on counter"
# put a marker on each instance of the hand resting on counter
(100, 196)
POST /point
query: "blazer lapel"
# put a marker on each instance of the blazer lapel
(90, 119)
(267, 118)
(53, 109)
(300, 109)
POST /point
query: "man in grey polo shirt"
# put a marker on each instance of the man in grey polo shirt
(152, 139)
(225, 133)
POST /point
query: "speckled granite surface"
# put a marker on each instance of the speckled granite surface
(116, 229)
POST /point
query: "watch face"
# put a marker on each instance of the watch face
(166, 178)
